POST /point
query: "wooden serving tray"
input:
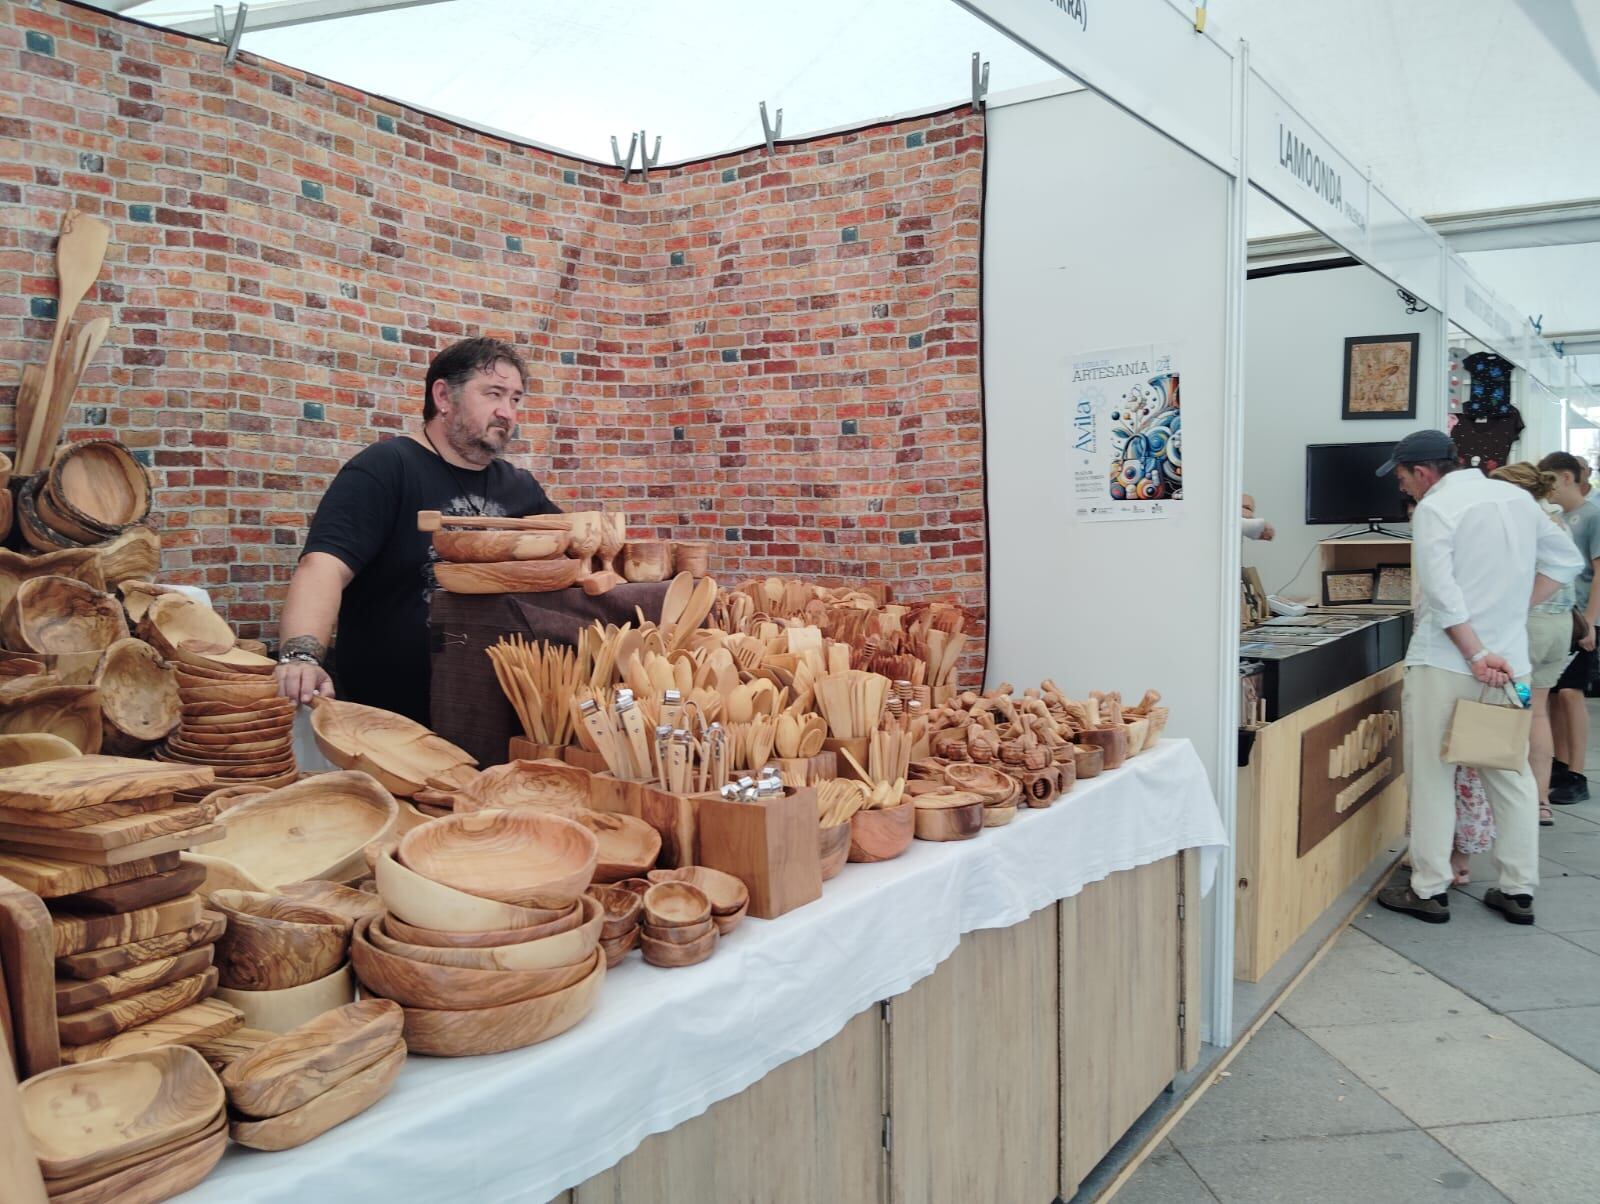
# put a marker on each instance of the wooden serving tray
(76, 933)
(187, 1026)
(173, 842)
(73, 995)
(74, 782)
(106, 1020)
(50, 877)
(107, 834)
(96, 963)
(96, 814)
(137, 893)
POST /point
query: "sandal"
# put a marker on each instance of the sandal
(1547, 818)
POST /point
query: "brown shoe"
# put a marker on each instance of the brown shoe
(1402, 899)
(1517, 909)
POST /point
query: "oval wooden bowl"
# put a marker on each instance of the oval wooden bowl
(296, 1067)
(686, 934)
(254, 752)
(281, 1011)
(544, 952)
(627, 845)
(175, 619)
(273, 942)
(552, 785)
(440, 908)
(619, 947)
(1138, 730)
(333, 1107)
(833, 844)
(1111, 741)
(659, 953)
(988, 782)
(882, 835)
(647, 560)
(70, 712)
(622, 909)
(490, 547)
(51, 513)
(205, 675)
(96, 1113)
(136, 553)
(411, 934)
(27, 748)
(522, 857)
(313, 829)
(238, 659)
(37, 533)
(998, 815)
(138, 696)
(399, 752)
(81, 564)
(675, 905)
(100, 482)
(341, 900)
(726, 893)
(508, 576)
(1087, 760)
(448, 1034)
(169, 1171)
(727, 923)
(422, 984)
(60, 614)
(960, 822)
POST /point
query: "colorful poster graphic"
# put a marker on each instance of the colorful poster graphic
(1125, 434)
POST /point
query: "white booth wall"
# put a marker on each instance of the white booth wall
(1295, 328)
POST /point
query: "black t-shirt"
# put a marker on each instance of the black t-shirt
(368, 519)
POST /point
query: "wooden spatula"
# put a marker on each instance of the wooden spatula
(28, 400)
(80, 251)
(85, 343)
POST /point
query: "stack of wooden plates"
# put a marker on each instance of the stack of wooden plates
(122, 959)
(141, 1126)
(303, 1083)
(237, 724)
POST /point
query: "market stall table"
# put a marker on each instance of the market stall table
(796, 997)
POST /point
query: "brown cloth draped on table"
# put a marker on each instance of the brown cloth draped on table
(468, 707)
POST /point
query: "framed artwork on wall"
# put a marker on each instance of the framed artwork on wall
(1380, 376)
(1394, 585)
(1346, 586)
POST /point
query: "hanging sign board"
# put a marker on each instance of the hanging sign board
(1124, 434)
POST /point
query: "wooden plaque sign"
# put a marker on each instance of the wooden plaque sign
(1346, 762)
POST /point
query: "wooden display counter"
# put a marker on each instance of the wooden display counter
(1005, 1075)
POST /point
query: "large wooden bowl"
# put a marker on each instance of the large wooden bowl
(71, 712)
(81, 564)
(489, 547)
(833, 846)
(399, 752)
(454, 988)
(628, 846)
(439, 908)
(51, 514)
(313, 829)
(174, 619)
(341, 900)
(100, 483)
(289, 1008)
(529, 858)
(411, 934)
(138, 696)
(724, 892)
(134, 554)
(96, 1113)
(508, 576)
(952, 816)
(675, 905)
(333, 1107)
(668, 954)
(447, 1034)
(539, 953)
(622, 909)
(60, 614)
(300, 1065)
(882, 834)
(273, 942)
(552, 785)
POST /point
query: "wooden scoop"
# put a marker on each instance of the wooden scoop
(80, 251)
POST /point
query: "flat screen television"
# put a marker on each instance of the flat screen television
(1342, 485)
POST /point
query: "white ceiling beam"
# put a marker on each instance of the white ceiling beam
(1559, 223)
(279, 16)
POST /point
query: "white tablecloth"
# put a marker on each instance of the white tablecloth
(664, 1045)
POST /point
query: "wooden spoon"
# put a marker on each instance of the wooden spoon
(678, 595)
(27, 401)
(80, 251)
(85, 343)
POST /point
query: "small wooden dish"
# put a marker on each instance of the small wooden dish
(292, 1069)
(997, 815)
(726, 893)
(522, 857)
(954, 816)
(454, 988)
(675, 905)
(639, 885)
(175, 619)
(627, 845)
(70, 712)
(272, 943)
(881, 835)
(316, 1116)
(686, 934)
(62, 614)
(440, 908)
(564, 948)
(617, 948)
(1087, 760)
(138, 696)
(549, 785)
(167, 1174)
(281, 1011)
(622, 909)
(659, 953)
(833, 845)
(727, 923)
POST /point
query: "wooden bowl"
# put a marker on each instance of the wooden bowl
(881, 835)
(833, 844)
(998, 815)
(1138, 730)
(244, 694)
(138, 696)
(422, 984)
(659, 953)
(341, 900)
(223, 734)
(81, 564)
(124, 1179)
(248, 752)
(239, 659)
(622, 909)
(617, 948)
(550, 785)
(495, 937)
(61, 614)
(175, 619)
(726, 893)
(523, 857)
(956, 816)
(349, 1098)
(1111, 741)
(95, 1113)
(217, 713)
(296, 1067)
(691, 557)
(727, 923)
(647, 560)
(49, 511)
(273, 942)
(440, 908)
(443, 1033)
(1087, 760)
(70, 712)
(627, 845)
(281, 1011)
(26, 748)
(490, 547)
(685, 934)
(313, 829)
(399, 752)
(563, 948)
(136, 553)
(99, 482)
(639, 885)
(508, 576)
(989, 782)
(675, 905)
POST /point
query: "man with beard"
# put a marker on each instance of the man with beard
(366, 564)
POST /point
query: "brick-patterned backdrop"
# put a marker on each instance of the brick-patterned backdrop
(776, 353)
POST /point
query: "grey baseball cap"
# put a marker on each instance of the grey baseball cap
(1420, 447)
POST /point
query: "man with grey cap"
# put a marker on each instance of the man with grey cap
(1482, 554)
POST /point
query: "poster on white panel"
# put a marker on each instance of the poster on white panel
(1125, 434)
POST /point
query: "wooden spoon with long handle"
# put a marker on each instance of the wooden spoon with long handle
(89, 339)
(678, 594)
(80, 252)
(27, 402)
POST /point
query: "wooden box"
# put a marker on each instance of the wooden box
(768, 844)
(808, 771)
(575, 754)
(523, 749)
(672, 815)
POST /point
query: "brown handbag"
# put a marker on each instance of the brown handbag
(1580, 628)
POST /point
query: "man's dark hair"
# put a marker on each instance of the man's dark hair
(460, 362)
(1562, 462)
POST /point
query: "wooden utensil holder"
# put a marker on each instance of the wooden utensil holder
(858, 747)
(576, 754)
(523, 749)
(768, 844)
(808, 771)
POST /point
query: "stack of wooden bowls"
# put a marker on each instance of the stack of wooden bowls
(301, 1084)
(488, 940)
(92, 493)
(139, 1126)
(728, 896)
(678, 927)
(619, 930)
(281, 961)
(235, 723)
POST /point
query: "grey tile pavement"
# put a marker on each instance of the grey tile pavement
(1553, 1161)
(1575, 1031)
(1585, 940)
(1165, 1178)
(1359, 981)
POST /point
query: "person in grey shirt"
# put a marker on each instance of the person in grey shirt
(1569, 713)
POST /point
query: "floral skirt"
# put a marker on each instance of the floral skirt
(1475, 830)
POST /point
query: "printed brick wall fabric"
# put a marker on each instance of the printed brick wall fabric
(778, 354)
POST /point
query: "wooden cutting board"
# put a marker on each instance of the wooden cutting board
(19, 1166)
(86, 815)
(107, 834)
(172, 842)
(187, 1026)
(137, 893)
(74, 782)
(108, 1019)
(79, 933)
(50, 877)
(75, 996)
(25, 954)
(97, 963)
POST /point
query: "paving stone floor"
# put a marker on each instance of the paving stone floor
(1419, 1062)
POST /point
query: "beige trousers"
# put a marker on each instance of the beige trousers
(1428, 702)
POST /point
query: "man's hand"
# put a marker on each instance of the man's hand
(303, 681)
(1267, 532)
(1587, 642)
(1492, 670)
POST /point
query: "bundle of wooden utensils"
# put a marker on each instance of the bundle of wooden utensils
(105, 943)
